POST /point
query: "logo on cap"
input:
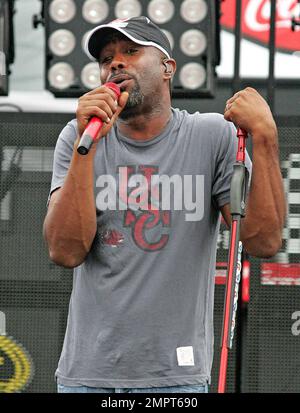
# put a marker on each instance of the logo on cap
(119, 23)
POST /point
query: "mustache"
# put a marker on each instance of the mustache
(116, 75)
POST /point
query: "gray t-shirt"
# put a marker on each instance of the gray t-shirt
(141, 309)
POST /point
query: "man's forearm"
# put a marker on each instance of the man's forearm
(261, 229)
(70, 224)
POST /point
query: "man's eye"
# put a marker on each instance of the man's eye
(131, 50)
(105, 59)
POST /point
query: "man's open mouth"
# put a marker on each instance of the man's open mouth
(121, 80)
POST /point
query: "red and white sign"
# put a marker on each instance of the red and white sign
(256, 22)
(280, 274)
(221, 273)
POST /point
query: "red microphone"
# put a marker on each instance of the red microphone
(94, 126)
(242, 136)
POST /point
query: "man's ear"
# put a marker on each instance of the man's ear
(170, 67)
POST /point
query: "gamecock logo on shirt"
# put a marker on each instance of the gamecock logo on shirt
(148, 199)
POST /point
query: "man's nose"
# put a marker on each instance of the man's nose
(118, 62)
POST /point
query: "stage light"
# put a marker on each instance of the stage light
(161, 11)
(62, 11)
(193, 42)
(62, 42)
(192, 75)
(90, 75)
(95, 11)
(128, 8)
(61, 75)
(193, 11)
(192, 27)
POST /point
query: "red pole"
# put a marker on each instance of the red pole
(227, 310)
(237, 206)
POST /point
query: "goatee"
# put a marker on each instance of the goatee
(135, 99)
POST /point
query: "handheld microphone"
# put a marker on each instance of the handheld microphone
(242, 135)
(94, 126)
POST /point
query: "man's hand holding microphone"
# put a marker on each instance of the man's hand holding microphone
(96, 113)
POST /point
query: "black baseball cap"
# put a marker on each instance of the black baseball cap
(140, 30)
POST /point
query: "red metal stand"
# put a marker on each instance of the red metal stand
(237, 207)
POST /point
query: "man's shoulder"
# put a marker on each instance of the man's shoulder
(71, 127)
(212, 119)
(209, 126)
(69, 133)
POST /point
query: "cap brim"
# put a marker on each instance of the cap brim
(93, 35)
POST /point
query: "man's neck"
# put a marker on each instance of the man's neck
(149, 119)
(144, 127)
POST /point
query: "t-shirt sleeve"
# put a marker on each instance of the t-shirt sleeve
(225, 158)
(62, 156)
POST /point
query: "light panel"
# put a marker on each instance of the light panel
(191, 26)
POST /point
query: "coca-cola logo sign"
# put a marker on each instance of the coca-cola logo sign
(256, 21)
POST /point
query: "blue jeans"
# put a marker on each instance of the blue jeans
(193, 388)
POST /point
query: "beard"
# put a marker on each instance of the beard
(134, 102)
